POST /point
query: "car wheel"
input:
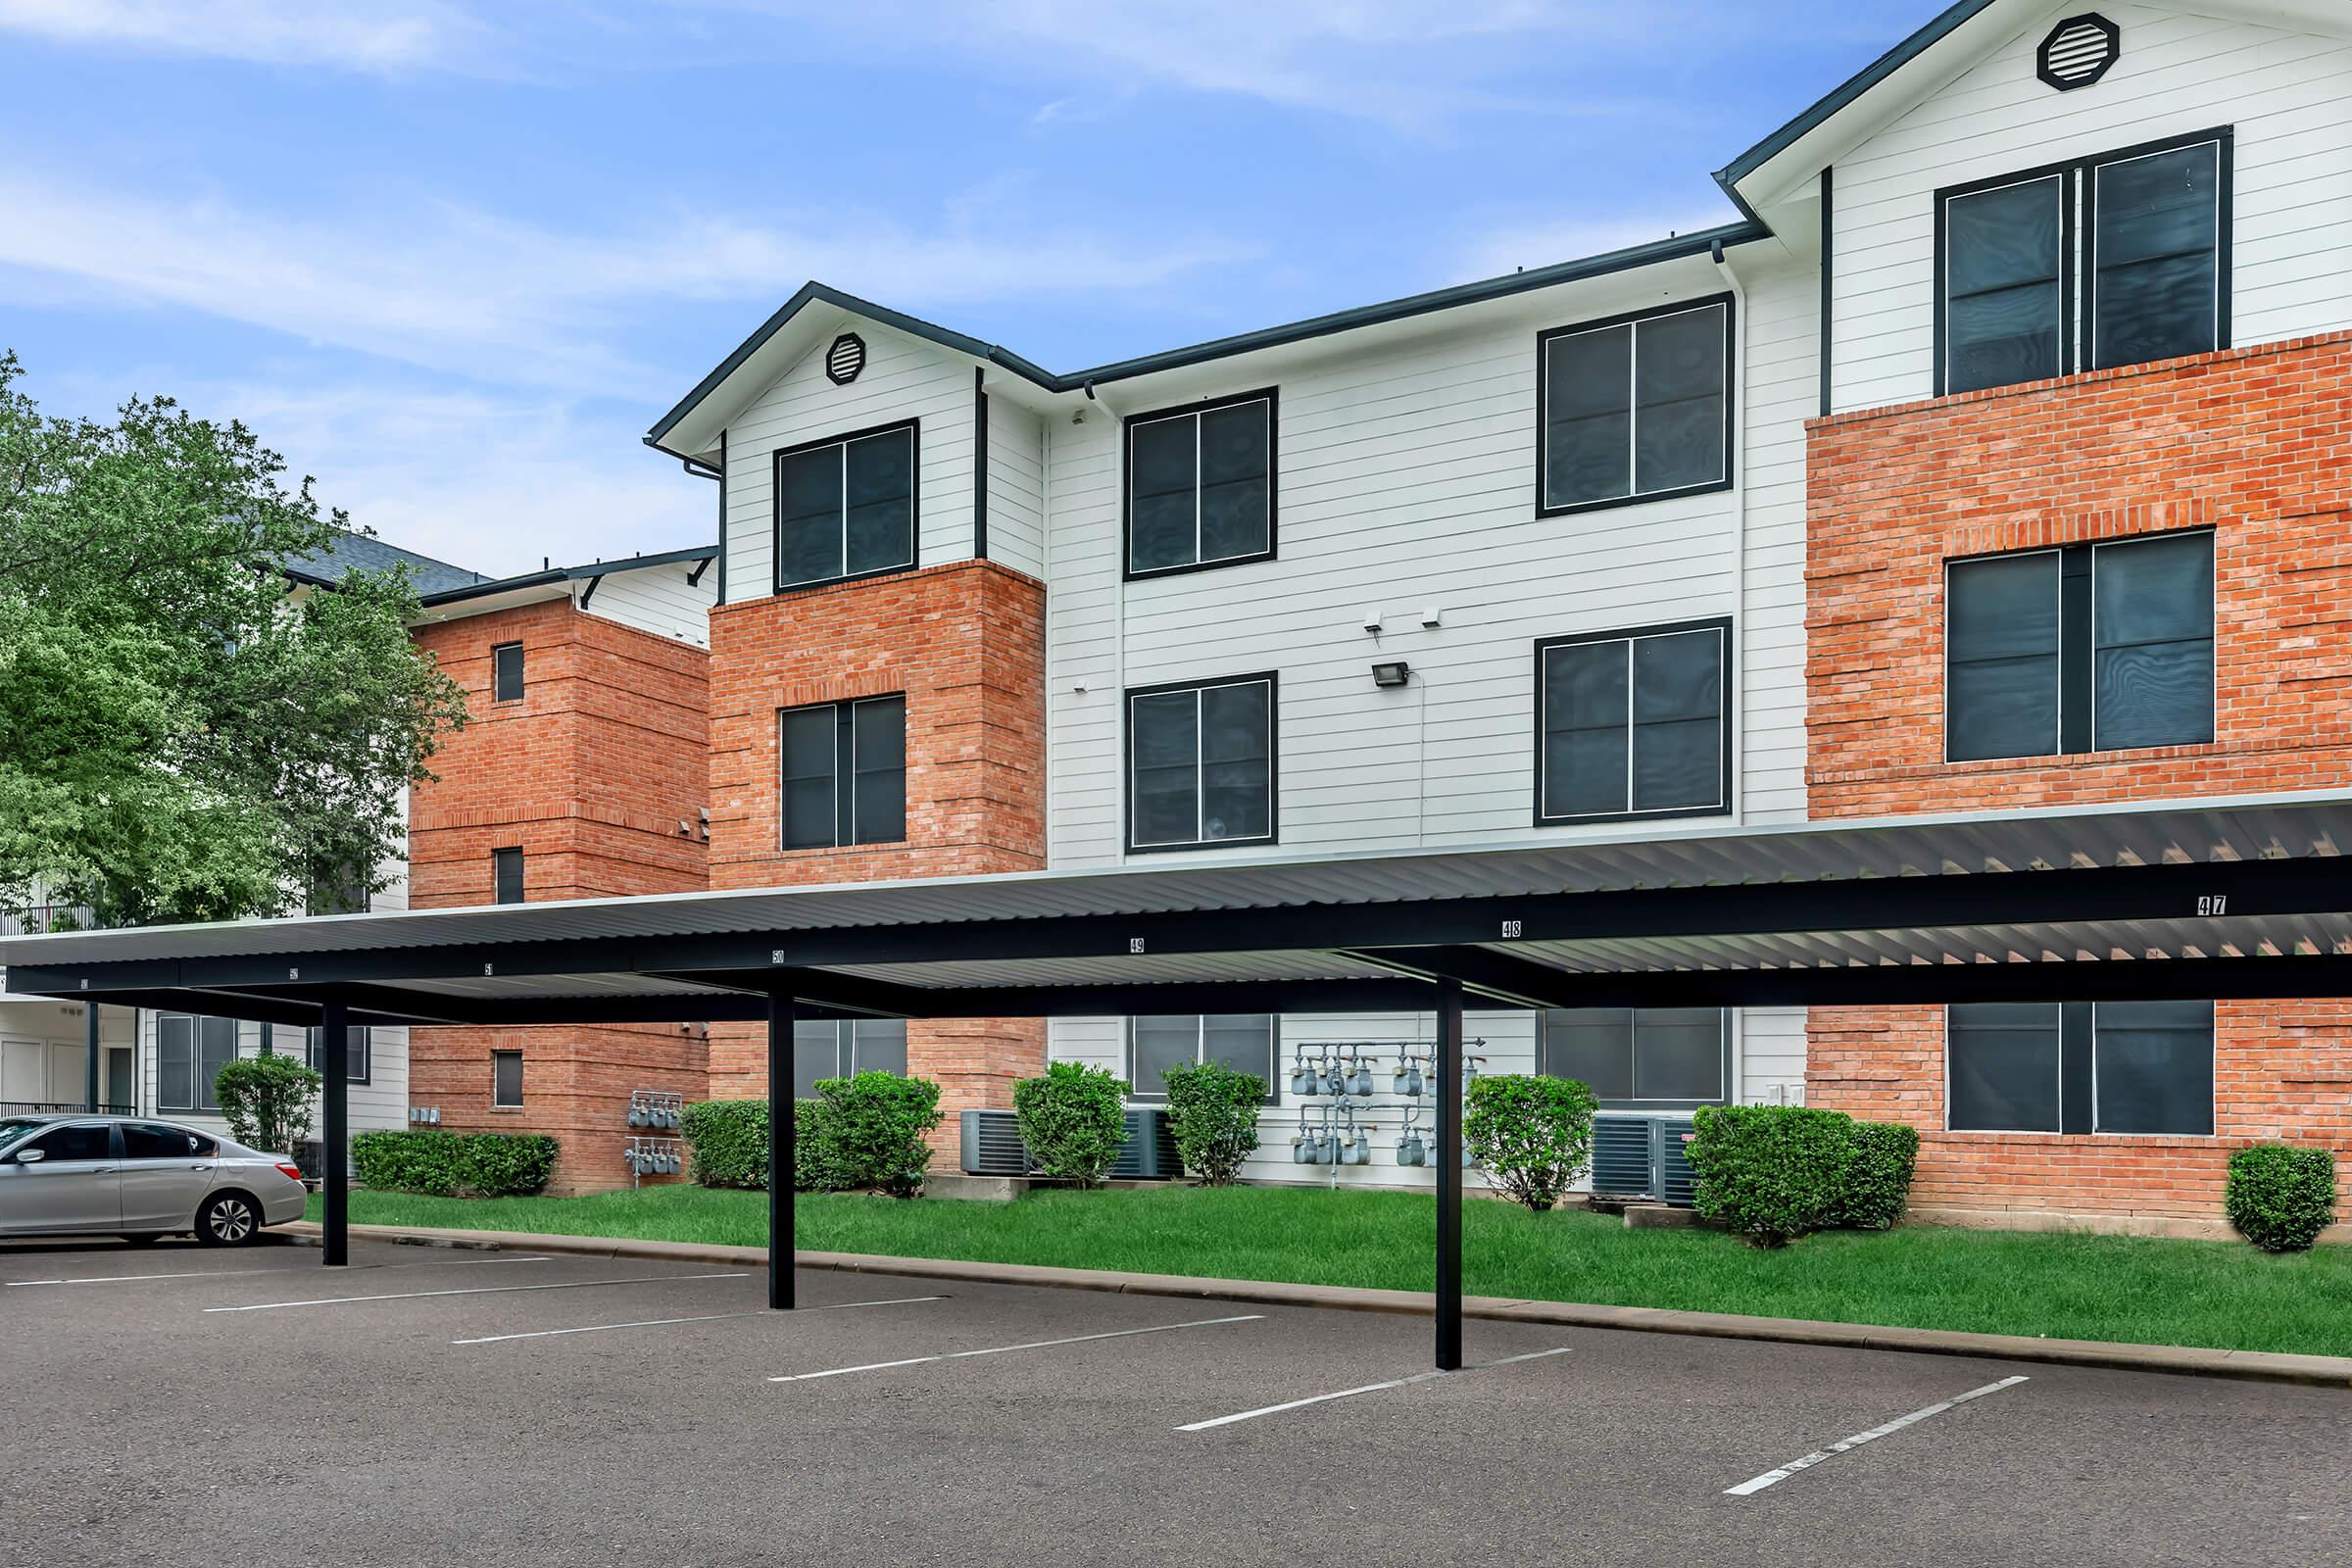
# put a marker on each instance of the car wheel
(228, 1219)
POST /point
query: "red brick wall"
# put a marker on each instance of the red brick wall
(966, 643)
(590, 774)
(2253, 443)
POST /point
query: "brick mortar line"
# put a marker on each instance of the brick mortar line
(2264, 1366)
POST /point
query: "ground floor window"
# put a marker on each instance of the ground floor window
(2080, 1067)
(1245, 1041)
(505, 1078)
(836, 1048)
(189, 1054)
(1641, 1058)
(358, 1065)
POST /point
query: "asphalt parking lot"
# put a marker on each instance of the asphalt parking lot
(173, 1403)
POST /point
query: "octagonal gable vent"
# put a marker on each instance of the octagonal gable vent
(2078, 51)
(844, 359)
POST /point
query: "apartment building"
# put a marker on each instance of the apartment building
(1994, 456)
(580, 773)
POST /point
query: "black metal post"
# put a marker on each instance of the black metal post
(89, 1036)
(334, 1149)
(780, 1129)
(1449, 1175)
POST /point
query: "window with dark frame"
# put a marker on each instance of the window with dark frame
(506, 876)
(357, 1060)
(1201, 764)
(1637, 1058)
(2086, 648)
(845, 507)
(505, 672)
(1245, 1041)
(2080, 1067)
(2025, 291)
(1636, 408)
(842, 774)
(1634, 723)
(1201, 485)
(838, 1048)
(506, 1079)
(189, 1054)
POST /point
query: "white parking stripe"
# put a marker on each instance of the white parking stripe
(1369, 1387)
(708, 1317)
(1769, 1477)
(1006, 1349)
(480, 1290)
(224, 1273)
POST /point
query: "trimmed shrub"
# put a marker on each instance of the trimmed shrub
(873, 1131)
(728, 1139)
(1878, 1174)
(2280, 1197)
(1532, 1134)
(443, 1164)
(1769, 1173)
(266, 1100)
(1073, 1119)
(1212, 1115)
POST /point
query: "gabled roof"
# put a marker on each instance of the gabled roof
(351, 552)
(550, 576)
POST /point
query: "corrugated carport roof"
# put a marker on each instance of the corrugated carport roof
(2209, 897)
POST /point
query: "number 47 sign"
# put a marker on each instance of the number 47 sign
(2212, 904)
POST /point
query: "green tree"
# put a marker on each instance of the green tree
(182, 737)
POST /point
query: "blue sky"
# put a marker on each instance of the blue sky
(453, 260)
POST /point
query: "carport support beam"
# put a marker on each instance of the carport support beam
(780, 1156)
(89, 1038)
(334, 1153)
(1449, 1175)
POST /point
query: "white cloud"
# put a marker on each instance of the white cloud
(458, 289)
(380, 36)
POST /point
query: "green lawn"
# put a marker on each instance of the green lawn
(2214, 1294)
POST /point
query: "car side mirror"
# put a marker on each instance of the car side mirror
(31, 1157)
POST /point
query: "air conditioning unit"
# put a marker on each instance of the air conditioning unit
(993, 1146)
(1641, 1158)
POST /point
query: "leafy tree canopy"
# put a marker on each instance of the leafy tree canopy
(182, 736)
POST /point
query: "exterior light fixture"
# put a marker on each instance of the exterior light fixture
(1392, 672)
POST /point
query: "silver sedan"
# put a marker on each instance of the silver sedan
(139, 1179)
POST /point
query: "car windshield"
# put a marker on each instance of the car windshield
(12, 1128)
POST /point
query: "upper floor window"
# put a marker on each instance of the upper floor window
(1201, 485)
(2080, 1067)
(505, 672)
(506, 876)
(1638, 1059)
(2027, 291)
(843, 773)
(845, 506)
(189, 1054)
(1245, 1041)
(2087, 648)
(1636, 408)
(1634, 723)
(1201, 764)
(839, 1047)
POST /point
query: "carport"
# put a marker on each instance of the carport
(2229, 898)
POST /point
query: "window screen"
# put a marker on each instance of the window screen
(2155, 1067)
(2155, 275)
(2003, 1068)
(357, 1052)
(1201, 764)
(2153, 628)
(2001, 656)
(2004, 281)
(1245, 1041)
(505, 672)
(505, 1078)
(1631, 1056)
(189, 1054)
(1636, 409)
(845, 507)
(506, 872)
(827, 1048)
(861, 745)
(2116, 1067)
(1633, 724)
(1201, 485)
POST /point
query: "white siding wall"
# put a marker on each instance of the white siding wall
(904, 378)
(2290, 96)
(1016, 487)
(658, 600)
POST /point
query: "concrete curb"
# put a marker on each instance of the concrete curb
(2265, 1366)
